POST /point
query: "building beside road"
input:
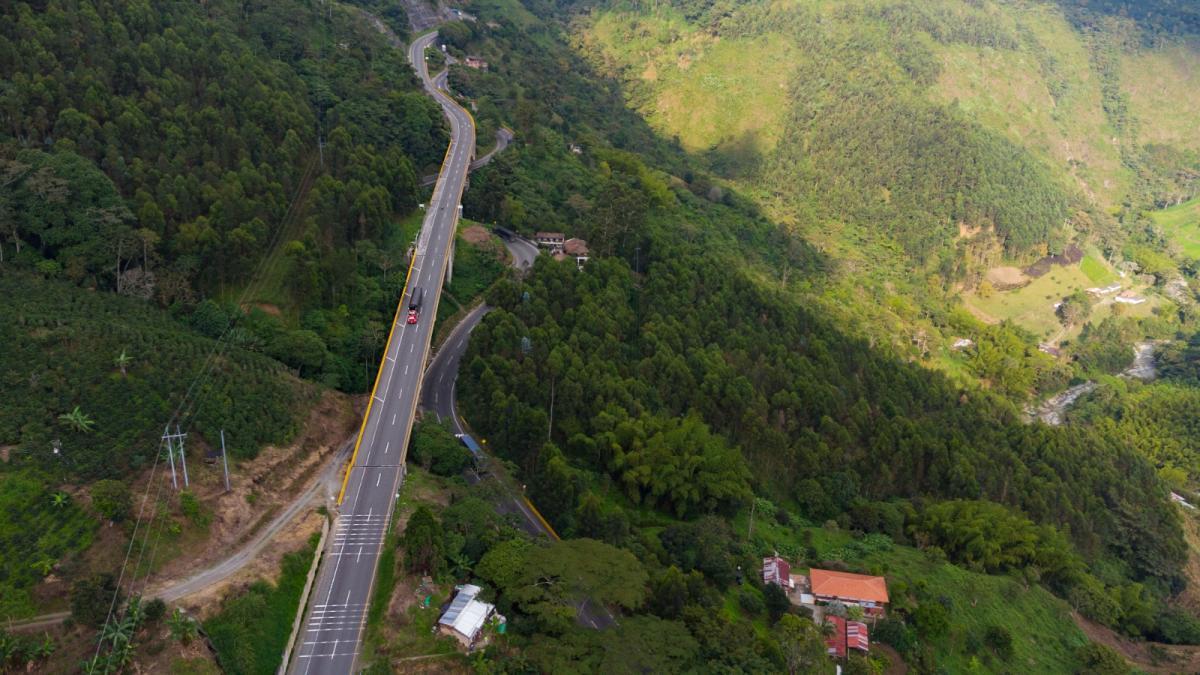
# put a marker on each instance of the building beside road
(476, 63)
(551, 240)
(465, 618)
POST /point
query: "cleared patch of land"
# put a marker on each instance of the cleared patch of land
(1096, 270)
(728, 95)
(1032, 306)
(1006, 276)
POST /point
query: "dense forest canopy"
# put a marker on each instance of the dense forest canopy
(1167, 16)
(189, 154)
(207, 119)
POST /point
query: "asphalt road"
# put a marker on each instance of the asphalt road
(332, 632)
(523, 252)
(503, 138)
(438, 396)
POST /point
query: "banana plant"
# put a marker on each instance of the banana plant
(123, 361)
(183, 627)
(45, 648)
(78, 420)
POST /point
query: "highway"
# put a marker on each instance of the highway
(330, 638)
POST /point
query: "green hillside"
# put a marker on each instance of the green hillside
(776, 94)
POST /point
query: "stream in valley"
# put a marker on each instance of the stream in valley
(1052, 410)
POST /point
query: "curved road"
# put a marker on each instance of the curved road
(333, 624)
(223, 569)
(438, 396)
(504, 136)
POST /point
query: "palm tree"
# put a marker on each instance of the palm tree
(78, 420)
(123, 361)
(60, 498)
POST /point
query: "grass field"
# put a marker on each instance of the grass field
(728, 95)
(252, 627)
(1032, 307)
(1097, 271)
(1182, 224)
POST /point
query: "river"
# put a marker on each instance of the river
(1052, 410)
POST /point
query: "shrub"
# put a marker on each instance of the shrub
(91, 599)
(155, 610)
(751, 601)
(1000, 641)
(111, 499)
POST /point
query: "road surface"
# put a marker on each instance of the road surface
(523, 252)
(438, 393)
(334, 620)
(319, 490)
(437, 396)
(503, 138)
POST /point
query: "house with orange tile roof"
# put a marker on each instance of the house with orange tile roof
(867, 592)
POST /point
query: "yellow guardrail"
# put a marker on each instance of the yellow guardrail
(396, 319)
(379, 373)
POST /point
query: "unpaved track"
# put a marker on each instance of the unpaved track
(322, 487)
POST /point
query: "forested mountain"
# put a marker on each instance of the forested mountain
(946, 127)
(222, 151)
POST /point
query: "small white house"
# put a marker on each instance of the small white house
(466, 616)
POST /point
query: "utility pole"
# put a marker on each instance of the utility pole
(169, 438)
(224, 460)
(182, 455)
(170, 455)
